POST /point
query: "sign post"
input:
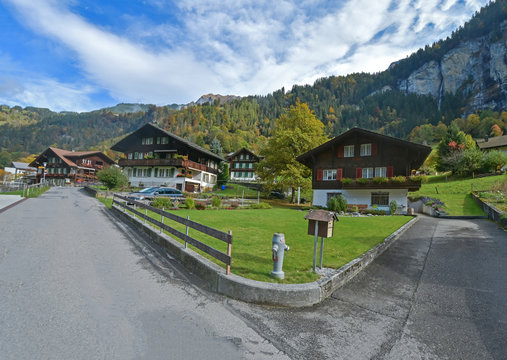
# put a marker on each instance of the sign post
(321, 223)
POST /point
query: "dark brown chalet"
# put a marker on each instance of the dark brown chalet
(367, 168)
(155, 157)
(64, 166)
(242, 165)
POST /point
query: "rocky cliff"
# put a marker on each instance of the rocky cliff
(476, 69)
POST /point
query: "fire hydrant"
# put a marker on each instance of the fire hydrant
(279, 248)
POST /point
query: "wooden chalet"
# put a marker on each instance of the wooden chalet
(154, 157)
(366, 168)
(242, 165)
(66, 167)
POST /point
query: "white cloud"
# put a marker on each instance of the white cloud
(243, 47)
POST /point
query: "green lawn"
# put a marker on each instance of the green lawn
(236, 190)
(253, 231)
(456, 193)
(34, 192)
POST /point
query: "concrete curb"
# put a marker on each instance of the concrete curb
(240, 288)
(12, 205)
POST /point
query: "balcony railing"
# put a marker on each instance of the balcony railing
(188, 164)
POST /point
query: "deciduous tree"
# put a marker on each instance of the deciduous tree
(296, 131)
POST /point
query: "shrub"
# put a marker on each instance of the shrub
(347, 181)
(216, 202)
(398, 179)
(375, 212)
(189, 203)
(332, 203)
(200, 205)
(234, 204)
(261, 205)
(380, 180)
(493, 161)
(419, 178)
(393, 206)
(354, 209)
(337, 203)
(363, 181)
(162, 202)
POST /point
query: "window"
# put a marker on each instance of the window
(367, 173)
(155, 172)
(348, 151)
(134, 172)
(365, 150)
(241, 157)
(329, 174)
(380, 198)
(247, 157)
(165, 140)
(147, 172)
(380, 172)
(147, 141)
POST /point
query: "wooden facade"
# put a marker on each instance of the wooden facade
(242, 165)
(362, 154)
(155, 157)
(64, 166)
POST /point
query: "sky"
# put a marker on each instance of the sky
(78, 55)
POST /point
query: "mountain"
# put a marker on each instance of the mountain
(447, 81)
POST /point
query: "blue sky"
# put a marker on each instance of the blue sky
(84, 55)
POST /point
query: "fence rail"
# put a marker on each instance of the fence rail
(217, 234)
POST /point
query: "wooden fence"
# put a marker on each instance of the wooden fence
(217, 234)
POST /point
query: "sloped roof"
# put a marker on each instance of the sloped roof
(306, 157)
(22, 166)
(122, 144)
(494, 142)
(67, 156)
(233, 154)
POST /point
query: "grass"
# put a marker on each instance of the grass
(236, 190)
(455, 193)
(34, 192)
(253, 231)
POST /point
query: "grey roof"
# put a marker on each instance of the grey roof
(22, 166)
(493, 142)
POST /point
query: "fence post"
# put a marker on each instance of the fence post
(188, 218)
(162, 220)
(229, 252)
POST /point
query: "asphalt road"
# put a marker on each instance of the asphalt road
(75, 284)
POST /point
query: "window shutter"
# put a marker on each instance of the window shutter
(339, 174)
(390, 171)
(374, 148)
(340, 151)
(319, 174)
(359, 173)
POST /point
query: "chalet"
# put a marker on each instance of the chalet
(242, 165)
(155, 157)
(493, 143)
(64, 167)
(368, 169)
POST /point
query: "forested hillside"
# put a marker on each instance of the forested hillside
(387, 102)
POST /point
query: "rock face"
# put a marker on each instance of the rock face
(476, 69)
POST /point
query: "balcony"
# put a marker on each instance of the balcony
(188, 164)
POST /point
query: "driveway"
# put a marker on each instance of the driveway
(440, 292)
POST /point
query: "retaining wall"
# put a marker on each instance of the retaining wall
(237, 287)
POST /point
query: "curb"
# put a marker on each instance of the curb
(240, 288)
(12, 205)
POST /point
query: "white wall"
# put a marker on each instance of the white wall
(363, 197)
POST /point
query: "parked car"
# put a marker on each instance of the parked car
(277, 194)
(153, 192)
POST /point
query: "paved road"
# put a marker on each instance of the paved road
(76, 285)
(439, 293)
(73, 286)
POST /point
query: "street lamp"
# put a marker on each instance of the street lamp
(44, 176)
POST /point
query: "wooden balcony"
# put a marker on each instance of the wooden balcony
(187, 164)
